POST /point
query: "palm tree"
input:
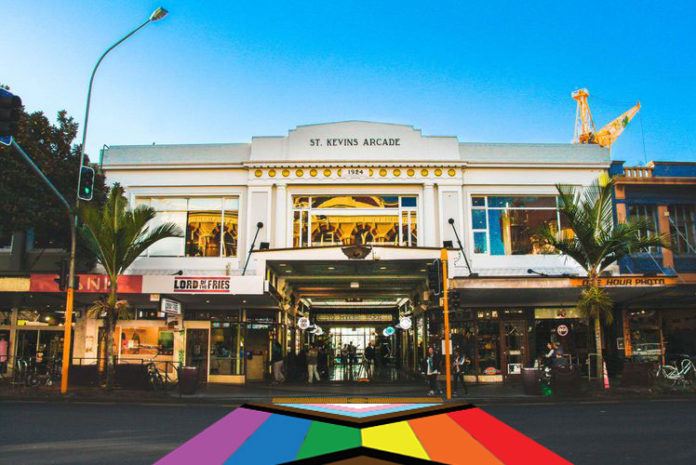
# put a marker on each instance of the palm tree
(598, 242)
(117, 235)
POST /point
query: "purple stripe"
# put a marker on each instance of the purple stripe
(215, 444)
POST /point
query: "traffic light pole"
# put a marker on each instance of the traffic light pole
(445, 305)
(72, 218)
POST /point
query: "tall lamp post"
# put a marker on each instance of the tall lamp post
(156, 15)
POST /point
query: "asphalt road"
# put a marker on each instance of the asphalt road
(104, 434)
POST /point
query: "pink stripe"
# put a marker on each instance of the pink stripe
(217, 442)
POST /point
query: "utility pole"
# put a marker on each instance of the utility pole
(445, 306)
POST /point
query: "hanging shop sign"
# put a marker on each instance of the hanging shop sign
(231, 285)
(562, 330)
(404, 323)
(388, 331)
(303, 323)
(355, 317)
(623, 281)
(556, 313)
(93, 283)
(171, 307)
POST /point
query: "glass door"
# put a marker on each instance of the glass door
(515, 336)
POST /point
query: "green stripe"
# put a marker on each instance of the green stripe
(324, 438)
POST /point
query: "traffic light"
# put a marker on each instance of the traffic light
(63, 273)
(86, 183)
(10, 109)
(435, 277)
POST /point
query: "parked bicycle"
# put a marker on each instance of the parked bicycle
(683, 374)
(154, 376)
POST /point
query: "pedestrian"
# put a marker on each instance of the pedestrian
(312, 358)
(459, 368)
(550, 356)
(369, 358)
(432, 365)
(559, 359)
(277, 362)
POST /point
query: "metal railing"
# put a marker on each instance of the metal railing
(638, 172)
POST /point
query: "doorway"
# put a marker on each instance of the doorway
(197, 351)
(515, 338)
(347, 347)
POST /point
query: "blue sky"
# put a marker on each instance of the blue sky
(483, 71)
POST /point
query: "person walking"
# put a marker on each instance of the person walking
(369, 358)
(432, 365)
(459, 368)
(312, 359)
(277, 362)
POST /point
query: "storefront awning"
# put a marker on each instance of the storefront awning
(551, 291)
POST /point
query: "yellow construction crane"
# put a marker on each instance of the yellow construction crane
(584, 126)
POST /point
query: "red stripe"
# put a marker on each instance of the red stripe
(505, 442)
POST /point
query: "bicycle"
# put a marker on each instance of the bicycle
(677, 375)
(154, 376)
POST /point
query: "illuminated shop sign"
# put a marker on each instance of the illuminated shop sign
(621, 281)
(355, 317)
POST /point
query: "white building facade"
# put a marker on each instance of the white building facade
(394, 194)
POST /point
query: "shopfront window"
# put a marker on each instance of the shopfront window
(512, 225)
(489, 347)
(227, 349)
(644, 328)
(210, 223)
(682, 228)
(39, 344)
(5, 239)
(355, 219)
(146, 342)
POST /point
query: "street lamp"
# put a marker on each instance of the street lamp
(156, 15)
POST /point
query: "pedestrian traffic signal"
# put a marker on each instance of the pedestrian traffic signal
(86, 183)
(10, 109)
(435, 277)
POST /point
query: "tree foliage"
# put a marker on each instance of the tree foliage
(117, 235)
(27, 202)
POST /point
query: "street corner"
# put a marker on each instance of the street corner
(408, 431)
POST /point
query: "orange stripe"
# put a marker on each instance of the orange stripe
(445, 441)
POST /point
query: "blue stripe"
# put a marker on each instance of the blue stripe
(277, 440)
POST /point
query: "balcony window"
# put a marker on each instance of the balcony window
(646, 213)
(682, 229)
(210, 224)
(512, 225)
(355, 219)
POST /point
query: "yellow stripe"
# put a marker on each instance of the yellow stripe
(394, 437)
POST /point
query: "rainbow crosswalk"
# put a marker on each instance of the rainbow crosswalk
(351, 432)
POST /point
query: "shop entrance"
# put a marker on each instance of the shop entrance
(347, 358)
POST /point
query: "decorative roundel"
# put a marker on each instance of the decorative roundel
(397, 172)
(339, 172)
(371, 171)
(286, 173)
(410, 172)
(258, 173)
(383, 172)
(312, 172)
(388, 331)
(405, 323)
(424, 172)
(272, 173)
(303, 323)
(438, 172)
(451, 171)
(327, 172)
(299, 173)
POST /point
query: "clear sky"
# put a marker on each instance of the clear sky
(483, 71)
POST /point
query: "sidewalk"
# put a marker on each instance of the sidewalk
(224, 394)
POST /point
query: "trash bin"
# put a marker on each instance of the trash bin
(531, 381)
(188, 380)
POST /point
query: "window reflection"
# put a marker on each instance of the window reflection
(509, 225)
(354, 219)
